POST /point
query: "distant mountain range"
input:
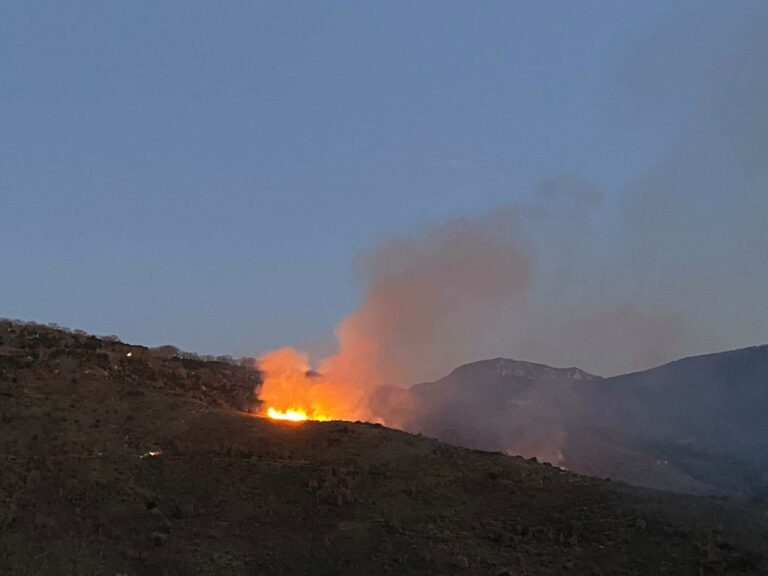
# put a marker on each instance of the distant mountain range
(696, 425)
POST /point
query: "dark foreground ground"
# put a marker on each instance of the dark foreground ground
(111, 464)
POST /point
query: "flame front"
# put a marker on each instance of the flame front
(294, 415)
(291, 391)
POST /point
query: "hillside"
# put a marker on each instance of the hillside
(714, 403)
(121, 460)
(696, 425)
(501, 404)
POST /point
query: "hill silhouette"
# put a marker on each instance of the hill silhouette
(118, 459)
(695, 425)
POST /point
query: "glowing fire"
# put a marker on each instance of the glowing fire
(292, 415)
(296, 415)
(292, 391)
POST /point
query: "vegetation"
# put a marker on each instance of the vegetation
(106, 470)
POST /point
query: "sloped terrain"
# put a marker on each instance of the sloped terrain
(697, 425)
(502, 404)
(714, 403)
(147, 464)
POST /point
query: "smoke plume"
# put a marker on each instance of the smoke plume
(429, 298)
(555, 279)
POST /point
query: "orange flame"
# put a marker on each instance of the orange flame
(292, 415)
(290, 391)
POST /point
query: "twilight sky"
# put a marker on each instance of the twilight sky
(209, 174)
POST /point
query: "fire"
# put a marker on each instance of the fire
(292, 391)
(292, 415)
(426, 298)
(297, 415)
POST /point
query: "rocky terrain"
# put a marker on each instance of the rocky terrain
(117, 459)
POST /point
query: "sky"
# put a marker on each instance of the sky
(210, 174)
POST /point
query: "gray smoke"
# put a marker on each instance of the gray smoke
(610, 281)
(685, 271)
(675, 264)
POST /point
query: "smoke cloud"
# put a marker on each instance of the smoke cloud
(429, 298)
(555, 280)
(695, 226)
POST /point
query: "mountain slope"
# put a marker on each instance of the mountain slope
(696, 425)
(108, 471)
(715, 403)
(501, 404)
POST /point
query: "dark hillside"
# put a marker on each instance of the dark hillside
(148, 464)
(697, 425)
(715, 403)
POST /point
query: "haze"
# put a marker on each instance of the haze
(235, 178)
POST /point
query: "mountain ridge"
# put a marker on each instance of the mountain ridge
(686, 425)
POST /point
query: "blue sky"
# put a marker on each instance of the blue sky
(208, 173)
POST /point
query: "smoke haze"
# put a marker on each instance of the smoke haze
(550, 280)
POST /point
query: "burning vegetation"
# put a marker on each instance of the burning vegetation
(293, 392)
(427, 299)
